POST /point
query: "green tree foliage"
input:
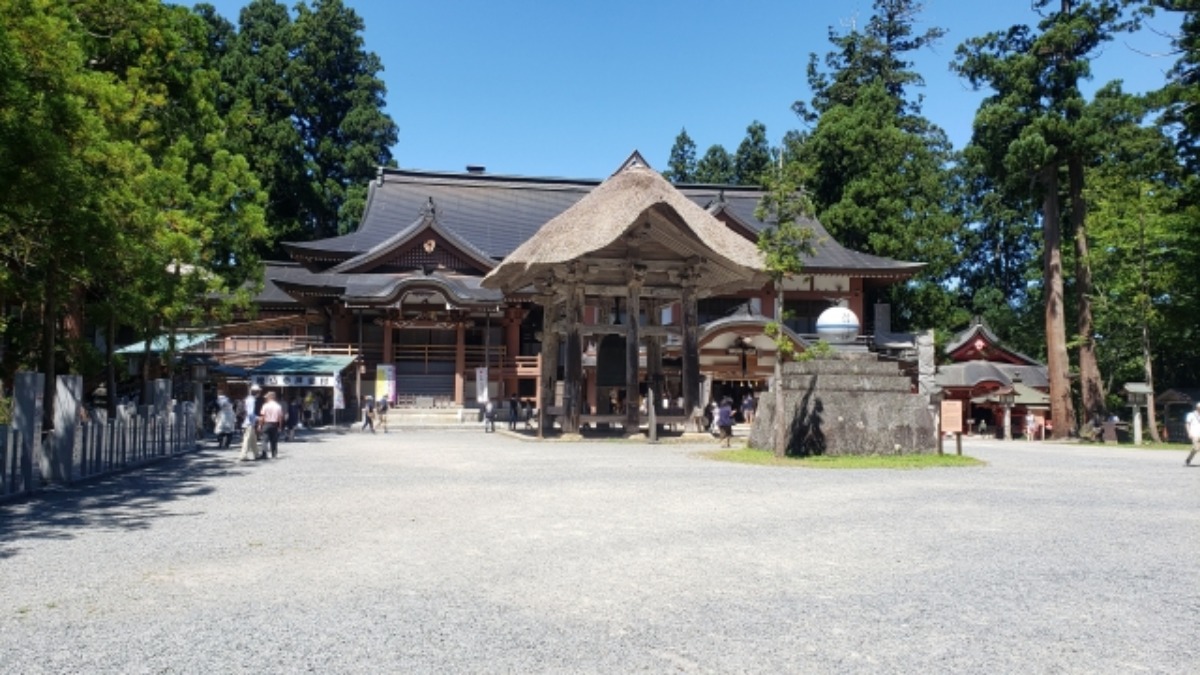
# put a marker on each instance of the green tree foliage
(681, 167)
(312, 101)
(715, 167)
(120, 191)
(753, 156)
(784, 244)
(1035, 142)
(881, 179)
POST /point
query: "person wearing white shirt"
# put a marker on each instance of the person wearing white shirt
(1193, 431)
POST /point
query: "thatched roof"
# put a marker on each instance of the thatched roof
(635, 200)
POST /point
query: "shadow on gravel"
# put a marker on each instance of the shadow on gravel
(130, 500)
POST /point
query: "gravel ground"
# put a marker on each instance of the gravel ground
(453, 551)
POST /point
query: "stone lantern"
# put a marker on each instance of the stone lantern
(1137, 394)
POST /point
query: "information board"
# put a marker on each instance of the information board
(952, 417)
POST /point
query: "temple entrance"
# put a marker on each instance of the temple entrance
(610, 375)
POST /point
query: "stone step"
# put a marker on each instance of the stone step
(432, 417)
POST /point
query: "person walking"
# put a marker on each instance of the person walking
(270, 421)
(748, 407)
(249, 425)
(514, 407)
(382, 410)
(725, 421)
(293, 418)
(224, 422)
(489, 417)
(368, 414)
(1193, 432)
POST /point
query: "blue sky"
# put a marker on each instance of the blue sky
(571, 87)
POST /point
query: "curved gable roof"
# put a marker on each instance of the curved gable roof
(428, 222)
(617, 205)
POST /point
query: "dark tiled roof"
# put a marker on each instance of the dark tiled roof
(971, 373)
(284, 278)
(978, 329)
(496, 214)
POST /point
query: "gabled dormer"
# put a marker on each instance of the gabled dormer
(977, 343)
(425, 246)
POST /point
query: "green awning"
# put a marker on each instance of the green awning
(183, 342)
(300, 371)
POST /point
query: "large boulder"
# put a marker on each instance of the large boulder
(854, 405)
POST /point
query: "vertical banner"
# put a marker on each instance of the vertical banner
(339, 397)
(481, 385)
(385, 382)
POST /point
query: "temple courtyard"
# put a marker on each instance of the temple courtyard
(459, 551)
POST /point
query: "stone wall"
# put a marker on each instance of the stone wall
(851, 405)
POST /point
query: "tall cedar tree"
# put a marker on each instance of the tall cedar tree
(715, 167)
(753, 156)
(784, 243)
(316, 130)
(125, 196)
(681, 167)
(1035, 122)
(881, 182)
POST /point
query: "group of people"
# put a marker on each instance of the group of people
(517, 410)
(263, 416)
(375, 412)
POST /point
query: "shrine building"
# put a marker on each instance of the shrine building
(567, 293)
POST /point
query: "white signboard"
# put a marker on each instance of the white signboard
(294, 380)
(481, 385)
(339, 397)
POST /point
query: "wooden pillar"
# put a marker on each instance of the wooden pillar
(460, 363)
(548, 376)
(573, 381)
(654, 366)
(691, 348)
(856, 302)
(512, 347)
(633, 303)
(343, 326)
(389, 354)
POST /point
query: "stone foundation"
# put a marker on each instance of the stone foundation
(853, 405)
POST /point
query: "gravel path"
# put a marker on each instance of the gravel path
(453, 551)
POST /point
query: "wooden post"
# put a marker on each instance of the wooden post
(633, 301)
(512, 347)
(389, 354)
(573, 387)
(460, 363)
(548, 374)
(691, 349)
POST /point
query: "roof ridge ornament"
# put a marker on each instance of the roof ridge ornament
(430, 209)
(635, 160)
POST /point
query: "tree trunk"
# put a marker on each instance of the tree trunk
(50, 386)
(1147, 361)
(1091, 384)
(1058, 365)
(110, 374)
(777, 385)
(1149, 368)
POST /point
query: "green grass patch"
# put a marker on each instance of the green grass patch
(767, 458)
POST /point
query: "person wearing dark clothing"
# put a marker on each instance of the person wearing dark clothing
(514, 407)
(368, 415)
(725, 421)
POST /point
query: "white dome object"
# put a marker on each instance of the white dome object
(837, 325)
